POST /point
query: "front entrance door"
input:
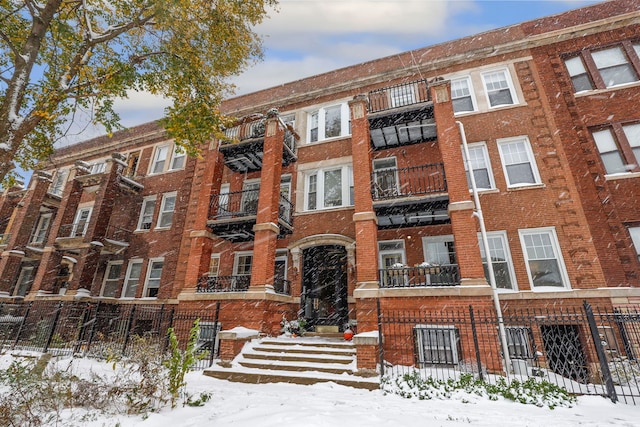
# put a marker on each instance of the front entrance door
(324, 286)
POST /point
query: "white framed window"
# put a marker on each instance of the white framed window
(146, 213)
(214, 265)
(543, 259)
(328, 122)
(24, 282)
(42, 227)
(579, 75)
(154, 274)
(57, 185)
(250, 197)
(111, 279)
(167, 157)
(462, 95)
(439, 250)
(614, 66)
(402, 95)
(167, 207)
(499, 88)
(518, 162)
(223, 200)
(81, 222)
(479, 157)
(132, 279)
(329, 188)
(242, 263)
(500, 259)
(390, 253)
(436, 345)
(385, 177)
(519, 342)
(634, 232)
(619, 147)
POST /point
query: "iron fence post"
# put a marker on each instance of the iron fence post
(127, 332)
(81, 328)
(215, 334)
(380, 346)
(602, 357)
(24, 320)
(53, 327)
(165, 345)
(93, 326)
(476, 346)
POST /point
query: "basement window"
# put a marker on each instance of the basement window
(436, 345)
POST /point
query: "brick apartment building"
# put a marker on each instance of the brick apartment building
(347, 188)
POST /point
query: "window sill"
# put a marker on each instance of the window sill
(587, 93)
(142, 230)
(526, 187)
(327, 140)
(486, 191)
(623, 175)
(324, 210)
(162, 228)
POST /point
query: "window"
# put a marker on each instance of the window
(250, 196)
(519, 342)
(462, 95)
(111, 279)
(243, 262)
(132, 279)
(499, 88)
(165, 217)
(146, 213)
(439, 250)
(619, 147)
(42, 227)
(214, 265)
(154, 273)
(500, 259)
(81, 222)
(329, 188)
(167, 157)
(57, 185)
(24, 282)
(436, 344)
(543, 258)
(402, 95)
(518, 162)
(328, 122)
(391, 252)
(479, 157)
(634, 232)
(132, 164)
(604, 68)
(385, 178)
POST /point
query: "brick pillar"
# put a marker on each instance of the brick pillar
(461, 205)
(23, 221)
(366, 222)
(46, 276)
(197, 246)
(266, 228)
(85, 268)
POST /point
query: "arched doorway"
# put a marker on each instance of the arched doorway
(324, 286)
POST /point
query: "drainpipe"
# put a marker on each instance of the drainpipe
(485, 243)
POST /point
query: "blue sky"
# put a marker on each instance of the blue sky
(308, 37)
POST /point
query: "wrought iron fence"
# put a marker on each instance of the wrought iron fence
(420, 180)
(418, 277)
(584, 350)
(400, 95)
(211, 284)
(102, 330)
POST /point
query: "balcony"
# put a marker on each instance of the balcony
(215, 284)
(233, 215)
(116, 240)
(413, 196)
(243, 145)
(401, 115)
(419, 277)
(71, 236)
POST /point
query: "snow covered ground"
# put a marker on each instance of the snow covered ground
(328, 404)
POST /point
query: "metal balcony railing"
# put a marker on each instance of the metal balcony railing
(118, 234)
(245, 203)
(420, 277)
(212, 284)
(77, 229)
(421, 180)
(256, 129)
(282, 286)
(400, 95)
(285, 210)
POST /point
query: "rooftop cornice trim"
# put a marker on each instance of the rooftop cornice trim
(527, 42)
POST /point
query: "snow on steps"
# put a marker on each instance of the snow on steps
(295, 360)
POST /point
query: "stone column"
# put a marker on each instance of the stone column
(364, 217)
(266, 228)
(461, 206)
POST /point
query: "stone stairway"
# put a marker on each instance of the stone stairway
(307, 360)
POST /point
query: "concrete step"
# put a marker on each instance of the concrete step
(307, 360)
